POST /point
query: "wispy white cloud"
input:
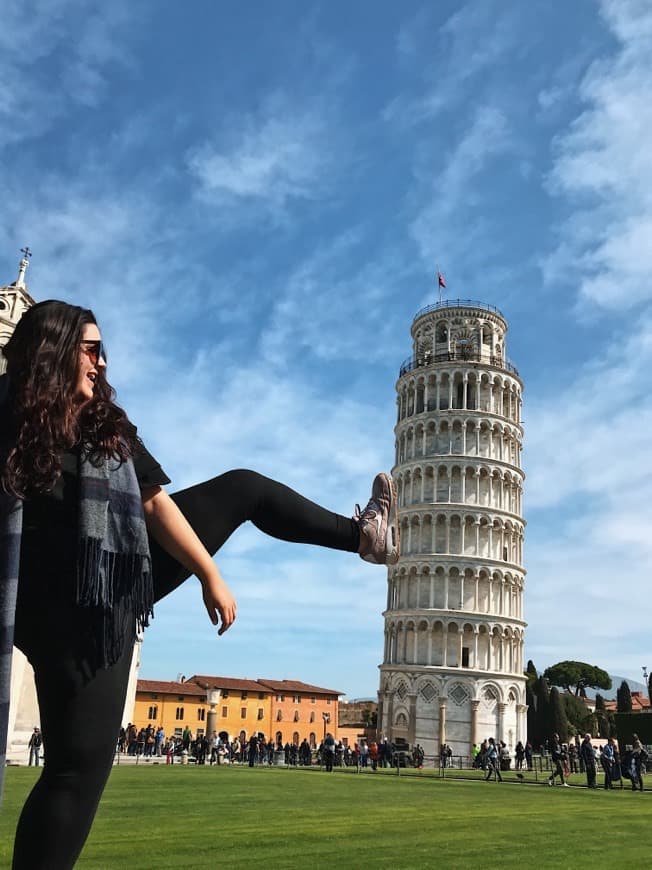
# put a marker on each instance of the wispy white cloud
(268, 159)
(472, 40)
(450, 217)
(80, 44)
(603, 167)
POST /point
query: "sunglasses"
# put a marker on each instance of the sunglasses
(94, 350)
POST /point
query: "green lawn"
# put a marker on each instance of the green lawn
(155, 817)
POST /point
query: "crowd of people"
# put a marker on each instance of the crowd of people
(491, 756)
(583, 757)
(152, 742)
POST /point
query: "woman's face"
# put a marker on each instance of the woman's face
(90, 361)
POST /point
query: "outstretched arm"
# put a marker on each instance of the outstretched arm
(173, 532)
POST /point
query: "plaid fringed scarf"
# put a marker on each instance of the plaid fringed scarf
(114, 577)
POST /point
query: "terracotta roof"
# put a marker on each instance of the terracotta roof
(229, 683)
(639, 703)
(163, 687)
(297, 686)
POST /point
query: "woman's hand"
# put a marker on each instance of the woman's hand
(218, 600)
(171, 529)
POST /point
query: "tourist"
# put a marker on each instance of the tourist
(572, 757)
(638, 763)
(69, 460)
(608, 762)
(328, 752)
(587, 756)
(492, 761)
(558, 757)
(34, 746)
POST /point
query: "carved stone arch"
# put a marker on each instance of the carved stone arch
(513, 695)
(490, 695)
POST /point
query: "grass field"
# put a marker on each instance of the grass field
(155, 817)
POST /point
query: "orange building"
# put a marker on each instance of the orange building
(285, 710)
(243, 707)
(172, 705)
(300, 711)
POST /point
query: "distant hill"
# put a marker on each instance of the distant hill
(634, 686)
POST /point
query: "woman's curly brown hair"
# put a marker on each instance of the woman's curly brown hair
(41, 417)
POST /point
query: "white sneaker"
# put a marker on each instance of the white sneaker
(379, 534)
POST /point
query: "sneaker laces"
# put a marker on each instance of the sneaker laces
(361, 516)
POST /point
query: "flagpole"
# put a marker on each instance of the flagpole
(439, 284)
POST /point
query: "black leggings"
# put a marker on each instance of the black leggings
(81, 711)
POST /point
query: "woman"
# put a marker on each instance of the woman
(89, 541)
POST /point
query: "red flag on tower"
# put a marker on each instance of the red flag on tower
(440, 280)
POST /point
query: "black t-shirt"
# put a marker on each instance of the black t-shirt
(49, 541)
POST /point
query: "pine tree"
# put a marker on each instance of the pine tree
(602, 727)
(542, 701)
(558, 723)
(624, 698)
(532, 703)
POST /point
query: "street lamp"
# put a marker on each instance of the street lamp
(327, 718)
(647, 686)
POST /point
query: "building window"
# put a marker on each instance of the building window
(153, 712)
(243, 712)
(296, 699)
(154, 697)
(225, 693)
(296, 715)
(200, 732)
(225, 712)
(179, 715)
(261, 712)
(312, 740)
(295, 738)
(261, 696)
(180, 697)
(465, 656)
(328, 700)
(201, 715)
(178, 732)
(279, 716)
(243, 696)
(312, 716)
(313, 699)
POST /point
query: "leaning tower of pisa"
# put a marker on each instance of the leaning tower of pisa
(453, 658)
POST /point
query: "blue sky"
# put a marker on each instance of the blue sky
(254, 197)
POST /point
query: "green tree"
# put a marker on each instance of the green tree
(539, 723)
(557, 721)
(579, 717)
(576, 677)
(624, 698)
(602, 725)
